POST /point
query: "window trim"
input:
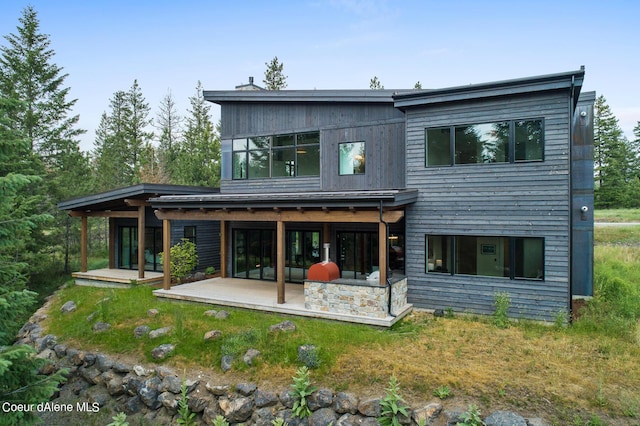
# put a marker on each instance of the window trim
(510, 146)
(452, 253)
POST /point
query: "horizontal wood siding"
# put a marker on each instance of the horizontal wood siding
(526, 199)
(207, 240)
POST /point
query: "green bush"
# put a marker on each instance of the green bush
(184, 258)
(501, 301)
(391, 406)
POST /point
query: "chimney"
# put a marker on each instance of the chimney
(251, 81)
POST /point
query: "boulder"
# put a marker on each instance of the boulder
(100, 327)
(250, 355)
(505, 418)
(226, 363)
(212, 335)
(370, 407)
(246, 389)
(323, 417)
(163, 351)
(69, 306)
(141, 331)
(236, 410)
(284, 326)
(345, 403)
(322, 398)
(264, 398)
(160, 332)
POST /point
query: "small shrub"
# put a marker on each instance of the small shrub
(301, 390)
(308, 356)
(220, 421)
(471, 417)
(119, 419)
(501, 301)
(391, 406)
(185, 416)
(442, 392)
(210, 270)
(184, 258)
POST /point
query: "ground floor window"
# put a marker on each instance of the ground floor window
(509, 257)
(128, 248)
(302, 251)
(254, 254)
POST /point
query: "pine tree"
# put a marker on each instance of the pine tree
(417, 86)
(168, 124)
(274, 78)
(614, 174)
(121, 138)
(197, 159)
(375, 84)
(28, 74)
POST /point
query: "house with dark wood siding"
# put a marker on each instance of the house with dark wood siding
(432, 199)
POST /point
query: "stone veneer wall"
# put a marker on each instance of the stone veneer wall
(355, 297)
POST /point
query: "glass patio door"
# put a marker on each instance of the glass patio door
(254, 254)
(357, 254)
(302, 251)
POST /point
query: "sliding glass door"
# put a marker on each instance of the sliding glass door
(302, 251)
(358, 254)
(254, 254)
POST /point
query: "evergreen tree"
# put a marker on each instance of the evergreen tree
(613, 158)
(197, 159)
(375, 84)
(274, 78)
(28, 74)
(121, 138)
(168, 125)
(417, 86)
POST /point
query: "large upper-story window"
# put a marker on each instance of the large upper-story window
(295, 154)
(498, 142)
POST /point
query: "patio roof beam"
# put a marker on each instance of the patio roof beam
(136, 203)
(335, 216)
(129, 214)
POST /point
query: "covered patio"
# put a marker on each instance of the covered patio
(261, 296)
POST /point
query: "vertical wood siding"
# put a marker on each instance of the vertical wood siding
(525, 199)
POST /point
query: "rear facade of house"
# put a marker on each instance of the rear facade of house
(496, 179)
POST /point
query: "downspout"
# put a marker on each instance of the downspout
(571, 118)
(386, 239)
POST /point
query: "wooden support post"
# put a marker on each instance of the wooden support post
(112, 243)
(382, 252)
(141, 226)
(83, 245)
(280, 243)
(166, 256)
(223, 249)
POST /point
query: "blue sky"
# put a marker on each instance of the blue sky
(332, 44)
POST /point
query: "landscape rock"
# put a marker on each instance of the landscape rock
(69, 306)
(103, 363)
(163, 351)
(427, 413)
(141, 371)
(172, 384)
(92, 316)
(210, 313)
(236, 410)
(246, 389)
(222, 315)
(323, 417)
(226, 363)
(345, 403)
(322, 398)
(151, 313)
(169, 401)
(217, 390)
(250, 355)
(370, 407)
(285, 326)
(356, 420)
(197, 404)
(47, 342)
(212, 335)
(149, 393)
(264, 398)
(141, 331)
(505, 418)
(134, 405)
(100, 327)
(160, 332)
(198, 276)
(121, 367)
(60, 350)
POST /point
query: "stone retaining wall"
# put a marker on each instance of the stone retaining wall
(150, 394)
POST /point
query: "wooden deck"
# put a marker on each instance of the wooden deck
(262, 296)
(116, 278)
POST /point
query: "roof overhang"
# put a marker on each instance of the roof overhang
(388, 199)
(561, 81)
(319, 96)
(118, 199)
